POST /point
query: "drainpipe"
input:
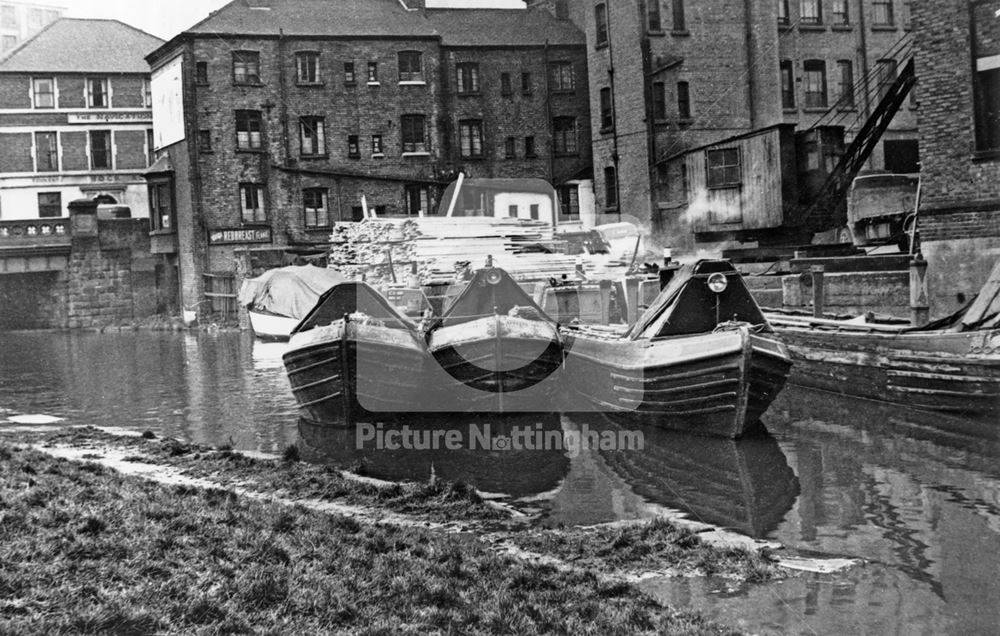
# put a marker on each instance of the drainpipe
(863, 55)
(283, 106)
(614, 112)
(751, 78)
(548, 112)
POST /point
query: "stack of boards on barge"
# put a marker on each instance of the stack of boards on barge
(702, 358)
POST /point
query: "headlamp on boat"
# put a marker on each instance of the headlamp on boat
(717, 282)
(493, 277)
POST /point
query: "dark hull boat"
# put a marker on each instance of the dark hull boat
(679, 367)
(950, 365)
(497, 350)
(355, 355)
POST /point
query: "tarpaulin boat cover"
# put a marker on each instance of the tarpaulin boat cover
(288, 291)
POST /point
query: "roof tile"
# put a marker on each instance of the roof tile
(71, 45)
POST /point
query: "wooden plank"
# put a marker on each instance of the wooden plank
(988, 300)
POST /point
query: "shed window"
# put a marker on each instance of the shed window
(723, 167)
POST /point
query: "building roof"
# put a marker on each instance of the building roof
(315, 17)
(71, 45)
(503, 27)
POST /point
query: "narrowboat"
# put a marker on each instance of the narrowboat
(950, 365)
(497, 350)
(355, 355)
(279, 299)
(702, 358)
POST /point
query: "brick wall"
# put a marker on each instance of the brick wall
(130, 146)
(14, 91)
(16, 153)
(74, 151)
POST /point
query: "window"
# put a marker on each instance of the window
(610, 187)
(907, 14)
(683, 100)
(377, 146)
(249, 129)
(49, 205)
(470, 138)
(882, 13)
(653, 21)
(44, 92)
(811, 12)
(787, 84)
(838, 12)
(204, 141)
(8, 17)
(411, 66)
(314, 201)
(601, 23)
(252, 204)
(723, 167)
(467, 78)
(607, 112)
(353, 149)
(529, 147)
(307, 67)
(312, 135)
(505, 87)
(147, 93)
(35, 18)
(97, 92)
(100, 149)
(8, 42)
(246, 67)
(150, 147)
(512, 211)
(815, 83)
(561, 76)
(510, 148)
(201, 72)
(885, 73)
(659, 101)
(373, 72)
(987, 103)
(680, 23)
(418, 200)
(526, 86)
(533, 211)
(569, 202)
(846, 90)
(414, 133)
(349, 73)
(564, 136)
(46, 152)
(782, 11)
(161, 206)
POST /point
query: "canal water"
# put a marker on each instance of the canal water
(832, 476)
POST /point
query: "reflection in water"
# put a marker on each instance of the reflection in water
(920, 504)
(206, 388)
(518, 473)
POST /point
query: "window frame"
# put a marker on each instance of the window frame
(245, 61)
(846, 94)
(35, 92)
(607, 109)
(350, 74)
(52, 153)
(312, 136)
(415, 192)
(510, 148)
(201, 73)
(467, 78)
(373, 73)
(610, 188)
(842, 9)
(527, 86)
(250, 117)
(306, 65)
(104, 92)
(506, 87)
(600, 25)
(530, 151)
(45, 210)
(158, 221)
(883, 14)
(569, 199)
(259, 192)
(108, 150)
(565, 142)
(813, 72)
(411, 147)
(787, 76)
(678, 16)
(316, 212)
(719, 176)
(410, 76)
(654, 17)
(470, 133)
(684, 101)
(205, 141)
(814, 15)
(378, 145)
(353, 146)
(562, 77)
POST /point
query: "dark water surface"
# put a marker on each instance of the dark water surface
(833, 476)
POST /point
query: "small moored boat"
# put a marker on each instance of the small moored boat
(499, 351)
(353, 355)
(952, 364)
(702, 358)
(279, 298)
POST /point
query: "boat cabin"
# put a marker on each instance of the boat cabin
(526, 199)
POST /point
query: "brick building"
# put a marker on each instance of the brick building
(75, 119)
(669, 76)
(957, 46)
(275, 118)
(20, 20)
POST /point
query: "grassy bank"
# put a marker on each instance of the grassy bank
(83, 549)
